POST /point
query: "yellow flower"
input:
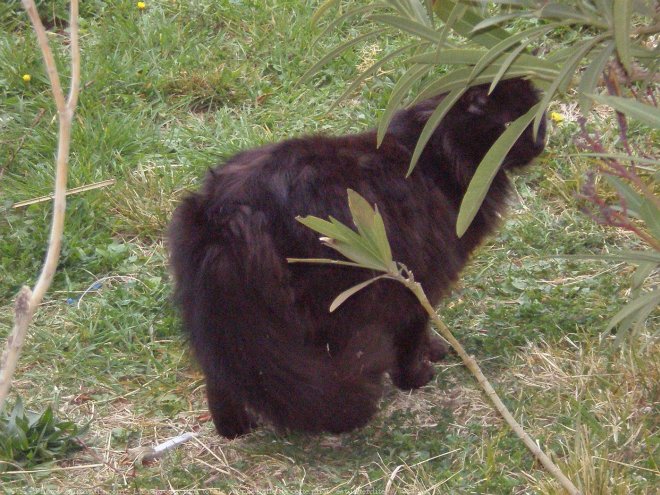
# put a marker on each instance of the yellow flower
(141, 5)
(556, 117)
(27, 77)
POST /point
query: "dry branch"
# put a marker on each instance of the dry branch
(472, 365)
(28, 300)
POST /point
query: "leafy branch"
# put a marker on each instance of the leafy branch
(618, 37)
(28, 300)
(369, 248)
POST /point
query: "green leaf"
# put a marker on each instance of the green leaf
(354, 12)
(456, 13)
(622, 14)
(650, 214)
(341, 298)
(619, 156)
(401, 89)
(326, 228)
(432, 123)
(504, 67)
(566, 13)
(346, 241)
(634, 306)
(590, 76)
(334, 53)
(499, 19)
(326, 261)
(373, 69)
(504, 45)
(370, 225)
(407, 26)
(633, 200)
(641, 274)
(488, 168)
(463, 26)
(322, 9)
(648, 114)
(472, 56)
(359, 254)
(618, 256)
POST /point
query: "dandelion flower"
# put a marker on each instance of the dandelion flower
(556, 117)
(141, 5)
(27, 77)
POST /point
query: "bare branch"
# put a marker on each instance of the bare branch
(28, 301)
(472, 365)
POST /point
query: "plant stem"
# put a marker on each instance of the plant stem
(28, 300)
(472, 365)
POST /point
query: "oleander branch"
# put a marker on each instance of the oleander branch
(28, 299)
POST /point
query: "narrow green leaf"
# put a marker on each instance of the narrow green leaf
(633, 200)
(637, 304)
(432, 123)
(354, 12)
(641, 274)
(407, 25)
(626, 256)
(645, 113)
(499, 19)
(502, 47)
(650, 214)
(419, 12)
(370, 224)
(334, 53)
(399, 92)
(456, 13)
(488, 168)
(326, 228)
(463, 26)
(564, 74)
(619, 156)
(622, 14)
(463, 56)
(604, 8)
(566, 13)
(341, 298)
(326, 261)
(346, 241)
(322, 9)
(358, 254)
(505, 66)
(458, 79)
(363, 217)
(375, 67)
(590, 76)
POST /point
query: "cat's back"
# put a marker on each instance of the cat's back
(301, 176)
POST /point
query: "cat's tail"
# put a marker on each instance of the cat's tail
(232, 287)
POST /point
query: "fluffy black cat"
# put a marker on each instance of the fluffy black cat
(260, 327)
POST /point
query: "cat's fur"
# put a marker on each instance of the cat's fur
(260, 327)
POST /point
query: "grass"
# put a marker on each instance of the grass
(172, 90)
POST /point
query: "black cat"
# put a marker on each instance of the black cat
(260, 327)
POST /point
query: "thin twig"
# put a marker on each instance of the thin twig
(75, 190)
(28, 300)
(472, 365)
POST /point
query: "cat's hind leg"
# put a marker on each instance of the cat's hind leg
(230, 417)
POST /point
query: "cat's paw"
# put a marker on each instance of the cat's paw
(437, 349)
(416, 377)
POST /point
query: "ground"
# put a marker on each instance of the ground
(172, 89)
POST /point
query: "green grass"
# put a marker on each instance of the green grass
(171, 91)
